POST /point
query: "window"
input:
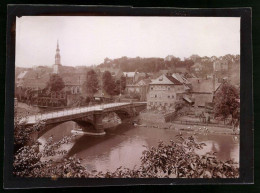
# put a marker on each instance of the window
(169, 96)
(155, 103)
(173, 96)
(168, 88)
(151, 88)
(155, 96)
(166, 104)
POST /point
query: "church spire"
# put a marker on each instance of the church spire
(57, 60)
(57, 56)
(58, 49)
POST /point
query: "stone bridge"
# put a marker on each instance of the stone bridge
(88, 118)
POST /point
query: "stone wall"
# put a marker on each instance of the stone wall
(151, 118)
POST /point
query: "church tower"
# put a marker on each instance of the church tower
(57, 60)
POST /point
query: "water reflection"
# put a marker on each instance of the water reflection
(123, 145)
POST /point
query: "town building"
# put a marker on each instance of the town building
(31, 84)
(169, 58)
(140, 88)
(220, 65)
(129, 77)
(197, 67)
(134, 77)
(203, 91)
(115, 72)
(164, 92)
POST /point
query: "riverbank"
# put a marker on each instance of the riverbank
(112, 150)
(194, 129)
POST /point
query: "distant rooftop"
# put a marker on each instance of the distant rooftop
(165, 79)
(129, 74)
(203, 85)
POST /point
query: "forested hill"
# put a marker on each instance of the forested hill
(170, 62)
(135, 64)
(144, 64)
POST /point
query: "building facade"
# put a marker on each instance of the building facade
(140, 88)
(164, 92)
(220, 65)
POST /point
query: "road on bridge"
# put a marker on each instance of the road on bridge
(72, 111)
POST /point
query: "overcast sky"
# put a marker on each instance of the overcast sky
(88, 40)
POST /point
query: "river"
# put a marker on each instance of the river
(123, 145)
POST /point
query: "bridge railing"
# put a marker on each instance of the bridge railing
(73, 111)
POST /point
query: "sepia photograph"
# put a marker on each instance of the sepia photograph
(120, 96)
(127, 97)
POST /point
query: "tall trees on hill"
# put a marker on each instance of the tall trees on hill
(91, 83)
(137, 64)
(156, 64)
(173, 62)
(55, 83)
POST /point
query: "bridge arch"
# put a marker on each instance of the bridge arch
(124, 113)
(92, 120)
(86, 125)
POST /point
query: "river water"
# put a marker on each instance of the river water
(123, 145)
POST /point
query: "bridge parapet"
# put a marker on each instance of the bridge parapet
(94, 113)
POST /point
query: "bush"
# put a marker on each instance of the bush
(22, 133)
(180, 160)
(176, 160)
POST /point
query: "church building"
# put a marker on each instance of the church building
(57, 64)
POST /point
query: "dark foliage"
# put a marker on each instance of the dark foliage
(226, 102)
(109, 84)
(22, 133)
(92, 83)
(55, 83)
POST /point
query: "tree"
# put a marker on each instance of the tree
(55, 83)
(178, 159)
(121, 84)
(226, 103)
(91, 83)
(108, 83)
(22, 134)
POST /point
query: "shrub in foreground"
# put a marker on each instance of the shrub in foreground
(175, 160)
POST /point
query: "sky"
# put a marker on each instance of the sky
(87, 40)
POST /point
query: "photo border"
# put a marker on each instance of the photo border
(246, 93)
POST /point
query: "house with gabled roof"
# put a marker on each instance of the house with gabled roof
(203, 90)
(164, 92)
(141, 87)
